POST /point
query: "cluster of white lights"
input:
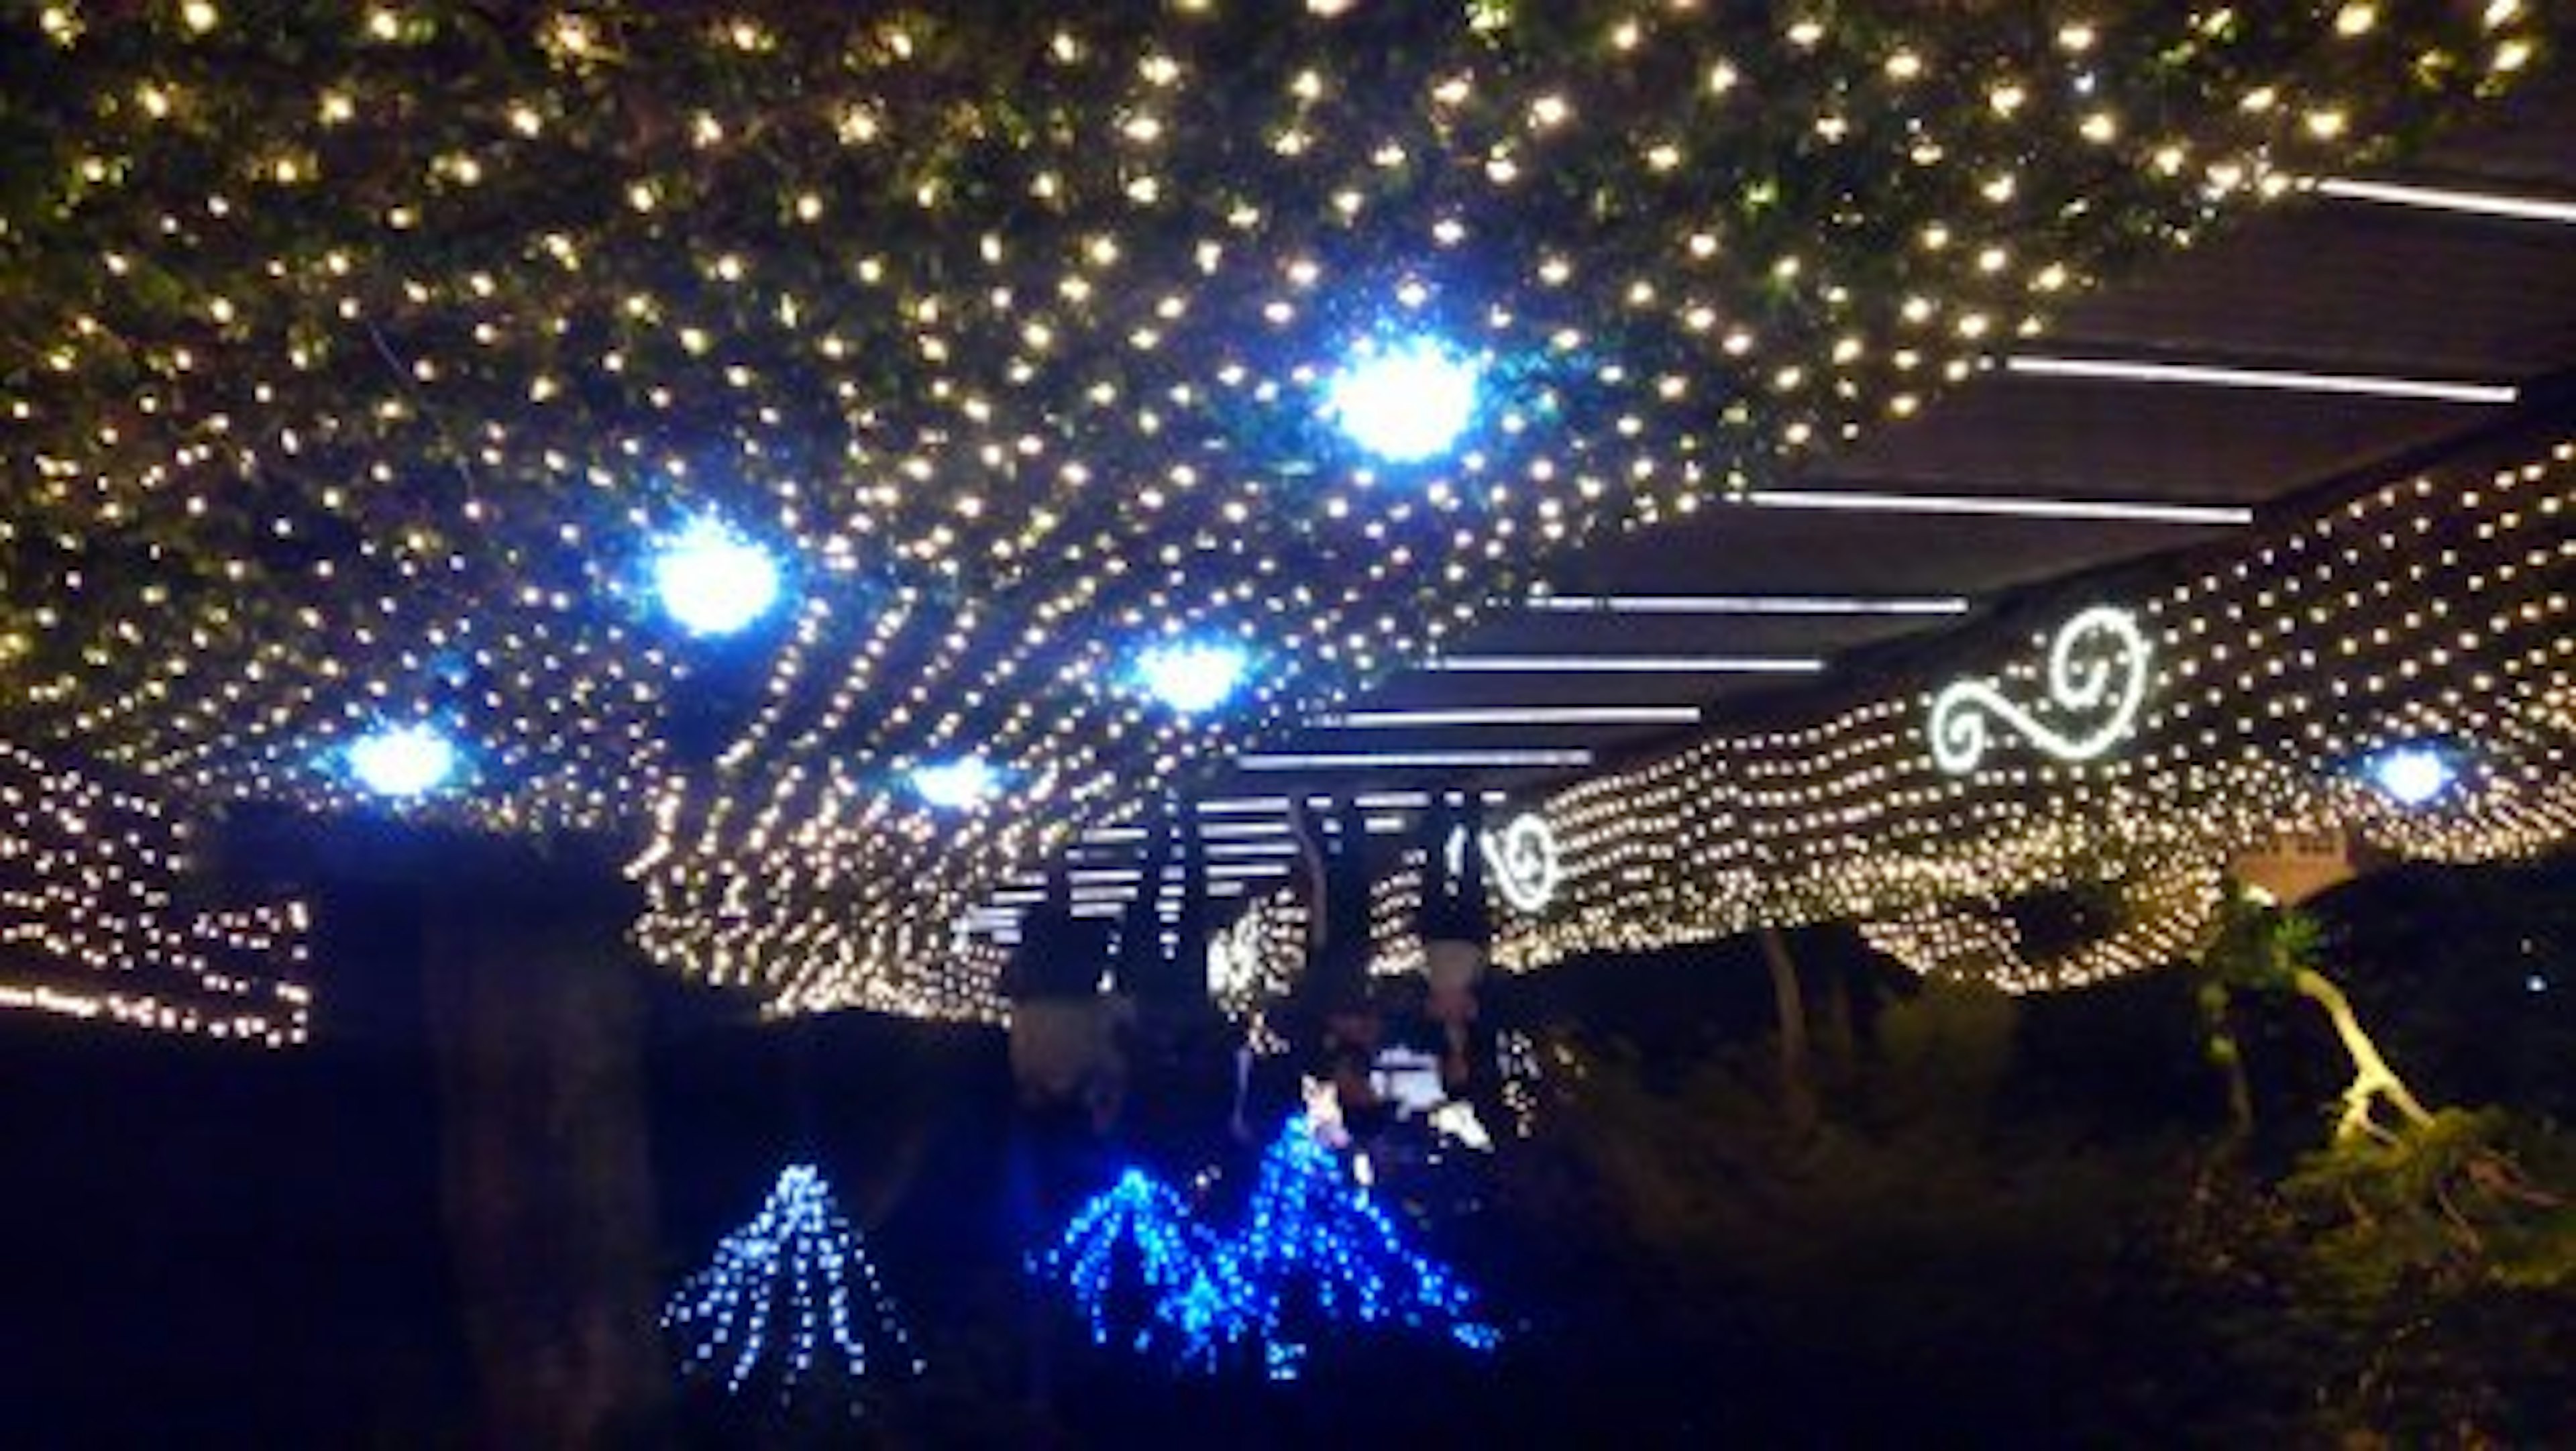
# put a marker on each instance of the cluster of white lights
(713, 580)
(404, 761)
(2421, 631)
(2413, 775)
(95, 921)
(1405, 402)
(2099, 664)
(377, 411)
(1193, 678)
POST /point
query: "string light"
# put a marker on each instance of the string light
(2429, 609)
(95, 921)
(956, 785)
(793, 1290)
(329, 410)
(1316, 1255)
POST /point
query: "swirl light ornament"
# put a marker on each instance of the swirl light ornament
(1524, 862)
(2099, 665)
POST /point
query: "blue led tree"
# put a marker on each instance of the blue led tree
(1316, 1253)
(1135, 1255)
(791, 1296)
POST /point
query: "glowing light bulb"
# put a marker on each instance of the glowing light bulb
(2412, 775)
(955, 785)
(713, 580)
(1404, 403)
(404, 760)
(1192, 678)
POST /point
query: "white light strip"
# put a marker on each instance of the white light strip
(1867, 501)
(2279, 380)
(1396, 760)
(2444, 199)
(1277, 806)
(1510, 715)
(1221, 850)
(1745, 605)
(1245, 806)
(1628, 664)
(1244, 871)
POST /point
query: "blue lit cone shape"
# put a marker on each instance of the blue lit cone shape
(1134, 1256)
(1317, 1252)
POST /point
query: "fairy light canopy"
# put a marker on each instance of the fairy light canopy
(365, 355)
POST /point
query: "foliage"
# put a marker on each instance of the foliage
(2474, 1196)
(2258, 946)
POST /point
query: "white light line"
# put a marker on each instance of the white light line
(1222, 850)
(1745, 605)
(1397, 760)
(1244, 806)
(2281, 380)
(1870, 501)
(2445, 199)
(1510, 715)
(1244, 871)
(1629, 664)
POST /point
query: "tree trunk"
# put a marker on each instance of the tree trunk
(535, 1022)
(2219, 1025)
(1797, 1092)
(2372, 1078)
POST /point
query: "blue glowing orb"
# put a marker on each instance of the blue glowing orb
(955, 785)
(713, 580)
(2412, 775)
(403, 760)
(1193, 678)
(1406, 402)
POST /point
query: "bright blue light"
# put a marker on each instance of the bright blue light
(402, 761)
(1406, 402)
(713, 580)
(1139, 1232)
(1315, 1255)
(2412, 775)
(955, 785)
(778, 1290)
(1193, 678)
